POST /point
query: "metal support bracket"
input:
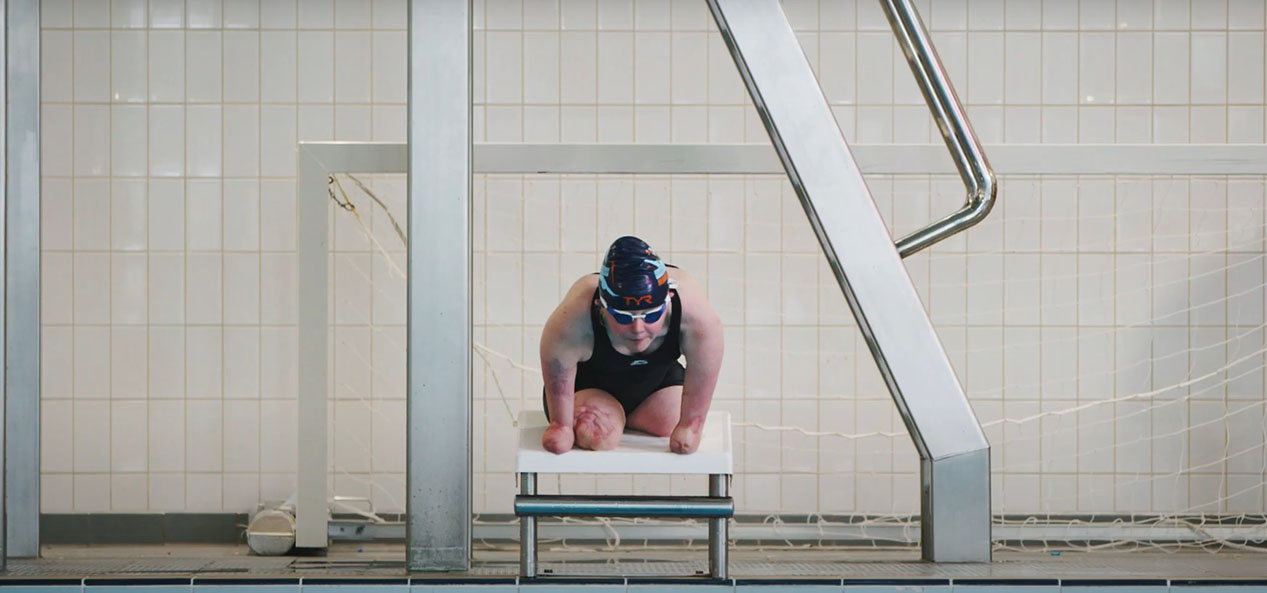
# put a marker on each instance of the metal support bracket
(955, 483)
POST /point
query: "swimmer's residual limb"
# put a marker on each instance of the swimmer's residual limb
(955, 457)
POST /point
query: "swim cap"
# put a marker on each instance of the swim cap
(632, 276)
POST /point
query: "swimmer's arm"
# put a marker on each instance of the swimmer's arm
(703, 346)
(566, 340)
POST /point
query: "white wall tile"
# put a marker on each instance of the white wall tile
(202, 150)
(91, 140)
(57, 371)
(279, 353)
(128, 288)
(1245, 67)
(278, 443)
(278, 14)
(389, 67)
(1209, 67)
(241, 141)
(127, 214)
(203, 287)
(241, 66)
(92, 492)
(352, 14)
(128, 442)
(316, 14)
(91, 66)
(352, 123)
(242, 14)
(242, 436)
(351, 77)
(689, 68)
(92, 363)
(91, 14)
(91, 205)
(56, 436)
(241, 288)
(56, 63)
(57, 134)
(204, 14)
(167, 142)
(56, 288)
(167, 14)
(203, 435)
(92, 288)
(315, 75)
(1060, 75)
(127, 66)
(92, 436)
(167, 66)
(1060, 15)
(204, 492)
(203, 50)
(57, 13)
(166, 363)
(1171, 67)
(278, 65)
(278, 292)
(1210, 15)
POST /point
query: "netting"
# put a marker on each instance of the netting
(1108, 331)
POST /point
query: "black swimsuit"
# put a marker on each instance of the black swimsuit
(630, 379)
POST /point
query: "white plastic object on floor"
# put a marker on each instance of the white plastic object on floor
(637, 453)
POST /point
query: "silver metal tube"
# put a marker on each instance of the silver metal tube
(528, 529)
(968, 156)
(624, 506)
(21, 485)
(718, 528)
(438, 343)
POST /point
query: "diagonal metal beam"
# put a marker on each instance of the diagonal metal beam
(955, 519)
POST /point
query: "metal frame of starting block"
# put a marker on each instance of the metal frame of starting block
(636, 454)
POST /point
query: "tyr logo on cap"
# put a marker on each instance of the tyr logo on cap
(635, 301)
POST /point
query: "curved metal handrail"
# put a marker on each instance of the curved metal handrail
(966, 151)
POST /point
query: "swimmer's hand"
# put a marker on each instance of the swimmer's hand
(558, 438)
(685, 437)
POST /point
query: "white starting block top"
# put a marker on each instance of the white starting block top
(637, 453)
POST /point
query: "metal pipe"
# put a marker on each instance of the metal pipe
(718, 528)
(966, 152)
(702, 507)
(528, 529)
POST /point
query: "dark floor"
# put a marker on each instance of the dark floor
(351, 559)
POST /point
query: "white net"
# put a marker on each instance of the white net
(1109, 332)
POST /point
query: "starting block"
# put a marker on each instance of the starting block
(636, 454)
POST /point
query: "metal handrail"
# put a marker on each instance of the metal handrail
(966, 151)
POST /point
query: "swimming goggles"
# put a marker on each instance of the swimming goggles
(626, 318)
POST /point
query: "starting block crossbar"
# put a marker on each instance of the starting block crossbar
(684, 507)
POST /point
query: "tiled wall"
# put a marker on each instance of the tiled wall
(1102, 302)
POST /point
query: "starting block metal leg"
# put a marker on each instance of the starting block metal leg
(718, 528)
(528, 529)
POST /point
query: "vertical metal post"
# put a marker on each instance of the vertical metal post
(528, 529)
(718, 529)
(4, 266)
(438, 457)
(21, 240)
(311, 511)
